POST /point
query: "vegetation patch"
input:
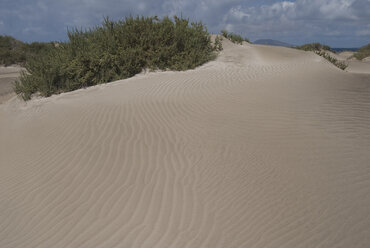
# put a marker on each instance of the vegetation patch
(322, 50)
(363, 52)
(116, 50)
(218, 44)
(13, 51)
(234, 38)
(314, 47)
(340, 64)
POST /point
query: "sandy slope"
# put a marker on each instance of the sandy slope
(345, 55)
(265, 147)
(354, 65)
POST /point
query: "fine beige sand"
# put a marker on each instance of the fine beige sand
(264, 147)
(354, 65)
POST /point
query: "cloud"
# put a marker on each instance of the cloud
(295, 21)
(301, 10)
(305, 19)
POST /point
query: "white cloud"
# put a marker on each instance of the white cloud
(302, 18)
(300, 10)
(294, 20)
(337, 9)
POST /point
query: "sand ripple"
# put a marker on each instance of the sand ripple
(265, 147)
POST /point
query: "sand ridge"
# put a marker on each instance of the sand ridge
(354, 65)
(264, 147)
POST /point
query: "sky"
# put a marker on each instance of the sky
(338, 23)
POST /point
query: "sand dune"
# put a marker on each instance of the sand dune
(264, 147)
(354, 65)
(345, 54)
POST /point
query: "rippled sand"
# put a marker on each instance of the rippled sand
(265, 147)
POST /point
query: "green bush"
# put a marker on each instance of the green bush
(363, 52)
(13, 51)
(116, 50)
(314, 47)
(218, 45)
(234, 38)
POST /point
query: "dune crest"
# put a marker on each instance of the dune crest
(264, 147)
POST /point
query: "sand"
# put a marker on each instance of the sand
(264, 147)
(345, 55)
(354, 65)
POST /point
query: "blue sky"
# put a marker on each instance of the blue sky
(338, 23)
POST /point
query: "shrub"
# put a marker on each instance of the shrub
(10, 51)
(116, 50)
(247, 40)
(314, 47)
(218, 45)
(363, 52)
(235, 38)
(340, 64)
(320, 50)
(13, 51)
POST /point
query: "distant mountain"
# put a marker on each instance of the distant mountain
(272, 43)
